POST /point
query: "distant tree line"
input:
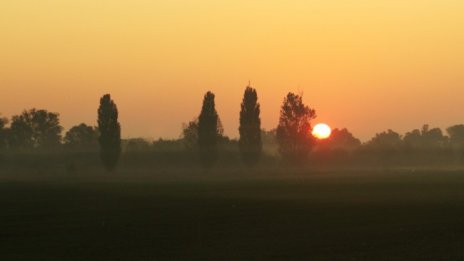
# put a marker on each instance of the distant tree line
(40, 130)
(203, 138)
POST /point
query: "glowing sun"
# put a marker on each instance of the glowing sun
(321, 131)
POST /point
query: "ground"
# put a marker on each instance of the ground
(306, 216)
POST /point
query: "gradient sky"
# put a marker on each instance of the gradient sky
(365, 65)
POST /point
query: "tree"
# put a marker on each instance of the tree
(3, 133)
(425, 139)
(294, 129)
(433, 138)
(110, 132)
(385, 147)
(342, 139)
(208, 131)
(456, 134)
(81, 137)
(250, 128)
(35, 129)
(413, 139)
(269, 140)
(135, 145)
(386, 141)
(190, 134)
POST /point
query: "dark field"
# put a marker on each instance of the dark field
(316, 216)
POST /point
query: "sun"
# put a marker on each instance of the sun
(321, 131)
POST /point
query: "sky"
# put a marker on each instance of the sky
(361, 64)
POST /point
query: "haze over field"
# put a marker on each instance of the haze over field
(365, 65)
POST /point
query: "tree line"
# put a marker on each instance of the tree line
(291, 140)
(40, 130)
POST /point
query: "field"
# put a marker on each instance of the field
(306, 216)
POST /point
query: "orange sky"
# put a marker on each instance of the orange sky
(365, 65)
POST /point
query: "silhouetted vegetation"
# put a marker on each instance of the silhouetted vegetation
(225, 211)
(33, 140)
(456, 137)
(250, 128)
(385, 141)
(294, 129)
(342, 140)
(190, 135)
(425, 139)
(3, 133)
(110, 132)
(208, 131)
(35, 129)
(81, 137)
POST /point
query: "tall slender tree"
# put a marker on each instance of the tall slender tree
(294, 129)
(250, 128)
(110, 132)
(208, 131)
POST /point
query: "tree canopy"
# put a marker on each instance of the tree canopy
(35, 129)
(208, 130)
(294, 129)
(81, 136)
(110, 132)
(250, 127)
(342, 139)
(3, 132)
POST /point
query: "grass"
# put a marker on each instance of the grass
(325, 216)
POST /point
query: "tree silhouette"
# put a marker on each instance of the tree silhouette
(208, 131)
(294, 129)
(456, 134)
(425, 139)
(250, 128)
(342, 139)
(81, 137)
(3, 133)
(456, 140)
(35, 129)
(433, 138)
(110, 132)
(385, 141)
(384, 147)
(135, 145)
(190, 134)
(413, 139)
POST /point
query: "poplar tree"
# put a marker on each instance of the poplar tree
(250, 128)
(208, 131)
(110, 132)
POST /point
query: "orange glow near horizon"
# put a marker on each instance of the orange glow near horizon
(364, 65)
(321, 131)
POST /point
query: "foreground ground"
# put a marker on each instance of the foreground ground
(316, 216)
